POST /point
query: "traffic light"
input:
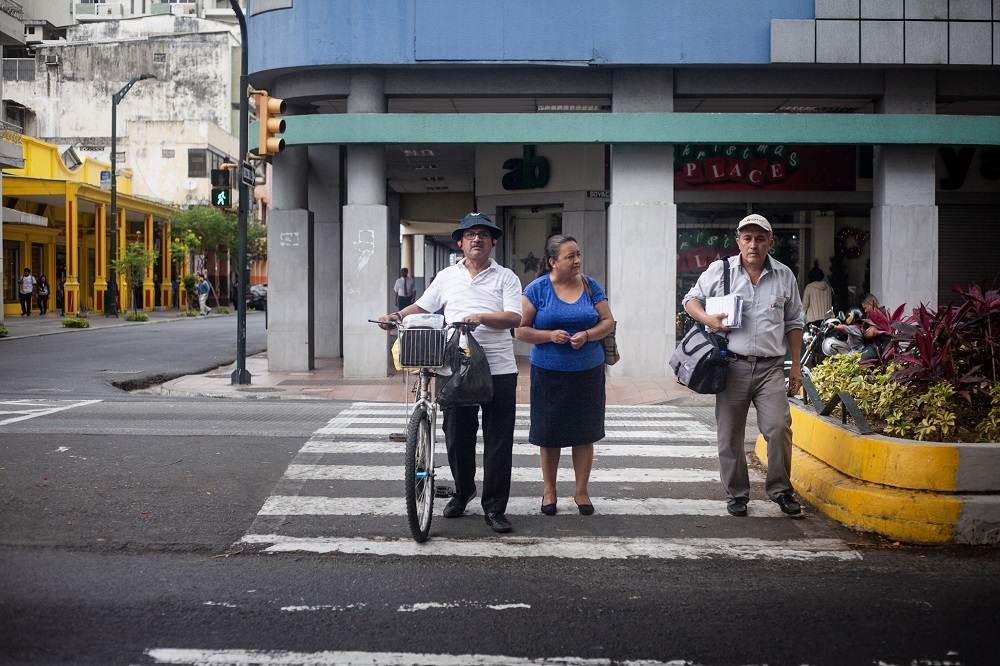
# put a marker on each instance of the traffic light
(268, 124)
(222, 188)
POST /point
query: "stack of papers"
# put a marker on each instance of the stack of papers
(731, 304)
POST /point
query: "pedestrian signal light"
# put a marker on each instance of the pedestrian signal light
(269, 125)
(221, 178)
(222, 197)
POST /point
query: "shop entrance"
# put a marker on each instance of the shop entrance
(525, 232)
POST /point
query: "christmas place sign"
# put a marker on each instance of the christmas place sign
(764, 166)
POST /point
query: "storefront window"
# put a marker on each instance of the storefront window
(11, 270)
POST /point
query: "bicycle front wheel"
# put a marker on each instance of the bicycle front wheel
(419, 474)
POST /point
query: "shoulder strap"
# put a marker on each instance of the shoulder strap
(725, 276)
(586, 287)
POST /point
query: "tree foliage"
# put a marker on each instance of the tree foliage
(205, 229)
(132, 267)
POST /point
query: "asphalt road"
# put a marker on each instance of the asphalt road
(122, 541)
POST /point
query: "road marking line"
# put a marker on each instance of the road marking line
(192, 657)
(613, 435)
(586, 548)
(46, 411)
(524, 449)
(518, 474)
(298, 505)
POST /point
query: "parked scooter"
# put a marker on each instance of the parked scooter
(825, 340)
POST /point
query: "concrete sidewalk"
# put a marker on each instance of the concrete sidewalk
(327, 380)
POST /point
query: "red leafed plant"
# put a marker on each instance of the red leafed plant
(957, 344)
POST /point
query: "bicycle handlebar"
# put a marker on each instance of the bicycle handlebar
(464, 325)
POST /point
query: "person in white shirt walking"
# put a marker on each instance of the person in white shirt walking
(26, 289)
(404, 289)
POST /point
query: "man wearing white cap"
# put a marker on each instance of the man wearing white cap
(772, 316)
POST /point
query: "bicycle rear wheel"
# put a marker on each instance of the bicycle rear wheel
(419, 474)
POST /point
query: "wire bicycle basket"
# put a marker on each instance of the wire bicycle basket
(421, 347)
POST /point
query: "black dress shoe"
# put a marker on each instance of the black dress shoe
(788, 505)
(549, 509)
(456, 507)
(586, 509)
(737, 507)
(498, 522)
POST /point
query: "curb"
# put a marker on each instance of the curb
(903, 489)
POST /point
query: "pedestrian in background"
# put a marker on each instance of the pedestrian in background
(817, 299)
(404, 289)
(43, 294)
(772, 318)
(25, 290)
(203, 291)
(566, 314)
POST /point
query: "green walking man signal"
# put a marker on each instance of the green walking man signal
(222, 190)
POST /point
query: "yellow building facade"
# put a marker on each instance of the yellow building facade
(57, 222)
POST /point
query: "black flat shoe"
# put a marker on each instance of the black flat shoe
(788, 505)
(549, 509)
(498, 522)
(737, 507)
(585, 509)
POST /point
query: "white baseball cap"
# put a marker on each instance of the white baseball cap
(759, 220)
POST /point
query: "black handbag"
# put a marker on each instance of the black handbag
(701, 359)
(470, 381)
(609, 342)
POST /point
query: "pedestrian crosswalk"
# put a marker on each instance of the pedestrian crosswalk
(12, 411)
(654, 483)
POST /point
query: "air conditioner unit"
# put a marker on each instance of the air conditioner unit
(51, 60)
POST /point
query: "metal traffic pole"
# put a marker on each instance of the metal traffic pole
(241, 375)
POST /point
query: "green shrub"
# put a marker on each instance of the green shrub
(192, 313)
(3, 332)
(76, 322)
(137, 317)
(223, 310)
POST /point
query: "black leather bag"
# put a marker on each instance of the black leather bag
(701, 361)
(470, 381)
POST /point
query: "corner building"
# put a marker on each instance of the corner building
(865, 130)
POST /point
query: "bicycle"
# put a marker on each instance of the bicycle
(421, 350)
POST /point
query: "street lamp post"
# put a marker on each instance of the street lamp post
(111, 295)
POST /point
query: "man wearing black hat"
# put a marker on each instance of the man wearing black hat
(478, 289)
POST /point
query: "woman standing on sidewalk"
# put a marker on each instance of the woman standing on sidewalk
(565, 316)
(43, 294)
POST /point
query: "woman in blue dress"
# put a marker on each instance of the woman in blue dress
(565, 316)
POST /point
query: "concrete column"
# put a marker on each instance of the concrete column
(166, 294)
(101, 255)
(147, 278)
(324, 199)
(290, 340)
(642, 233)
(71, 295)
(904, 223)
(590, 228)
(366, 240)
(290, 251)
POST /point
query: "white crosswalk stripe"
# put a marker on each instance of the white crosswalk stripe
(343, 494)
(12, 411)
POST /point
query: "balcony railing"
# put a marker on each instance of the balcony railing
(12, 8)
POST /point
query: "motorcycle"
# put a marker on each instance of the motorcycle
(823, 341)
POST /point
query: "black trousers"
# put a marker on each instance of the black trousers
(461, 424)
(25, 300)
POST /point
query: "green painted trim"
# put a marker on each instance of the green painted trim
(638, 128)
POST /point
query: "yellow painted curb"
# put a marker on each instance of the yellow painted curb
(906, 515)
(901, 463)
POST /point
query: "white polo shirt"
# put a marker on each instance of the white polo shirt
(495, 289)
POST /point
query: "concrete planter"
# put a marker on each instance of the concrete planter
(910, 491)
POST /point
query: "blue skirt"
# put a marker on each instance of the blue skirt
(567, 408)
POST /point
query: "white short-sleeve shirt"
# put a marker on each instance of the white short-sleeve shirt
(495, 289)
